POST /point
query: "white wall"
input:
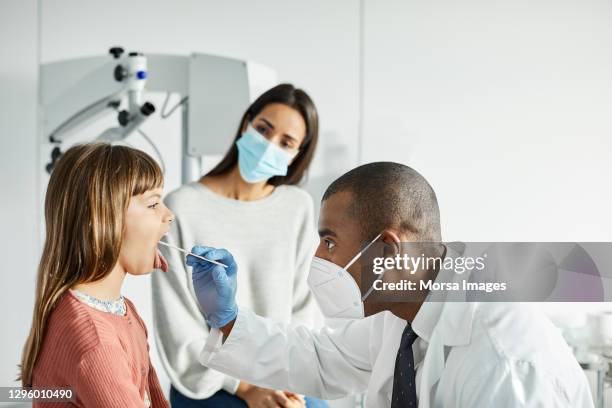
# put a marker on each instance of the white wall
(18, 177)
(504, 106)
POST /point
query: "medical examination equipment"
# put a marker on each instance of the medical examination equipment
(590, 338)
(600, 368)
(214, 92)
(191, 253)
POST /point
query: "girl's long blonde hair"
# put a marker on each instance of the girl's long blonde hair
(87, 197)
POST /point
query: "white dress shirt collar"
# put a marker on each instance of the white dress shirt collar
(453, 316)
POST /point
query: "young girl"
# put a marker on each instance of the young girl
(104, 217)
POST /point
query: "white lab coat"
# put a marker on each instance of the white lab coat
(477, 355)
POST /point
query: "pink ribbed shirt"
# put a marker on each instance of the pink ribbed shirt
(103, 357)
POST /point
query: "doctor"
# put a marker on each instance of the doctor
(477, 354)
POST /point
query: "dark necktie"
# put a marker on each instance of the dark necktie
(404, 384)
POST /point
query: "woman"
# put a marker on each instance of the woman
(103, 221)
(249, 203)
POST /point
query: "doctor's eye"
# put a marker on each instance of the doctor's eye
(329, 244)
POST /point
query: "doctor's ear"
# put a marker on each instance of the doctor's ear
(392, 242)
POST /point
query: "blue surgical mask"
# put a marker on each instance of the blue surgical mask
(259, 159)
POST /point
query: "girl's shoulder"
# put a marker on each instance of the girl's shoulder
(84, 327)
(81, 328)
(134, 313)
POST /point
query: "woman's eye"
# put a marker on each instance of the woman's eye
(154, 206)
(329, 244)
(262, 129)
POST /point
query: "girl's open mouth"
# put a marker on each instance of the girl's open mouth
(160, 262)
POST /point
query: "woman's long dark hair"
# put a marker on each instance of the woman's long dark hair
(297, 99)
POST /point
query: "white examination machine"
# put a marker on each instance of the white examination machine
(214, 93)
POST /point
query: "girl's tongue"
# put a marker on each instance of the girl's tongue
(160, 261)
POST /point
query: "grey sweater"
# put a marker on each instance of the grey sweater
(272, 240)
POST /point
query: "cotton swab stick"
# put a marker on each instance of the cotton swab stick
(192, 254)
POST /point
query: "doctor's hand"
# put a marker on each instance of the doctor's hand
(214, 285)
(257, 397)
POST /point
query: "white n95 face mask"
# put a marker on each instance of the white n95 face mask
(335, 290)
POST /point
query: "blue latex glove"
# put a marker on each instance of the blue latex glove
(215, 286)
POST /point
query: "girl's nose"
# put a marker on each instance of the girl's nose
(170, 216)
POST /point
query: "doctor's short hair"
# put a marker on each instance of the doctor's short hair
(390, 195)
